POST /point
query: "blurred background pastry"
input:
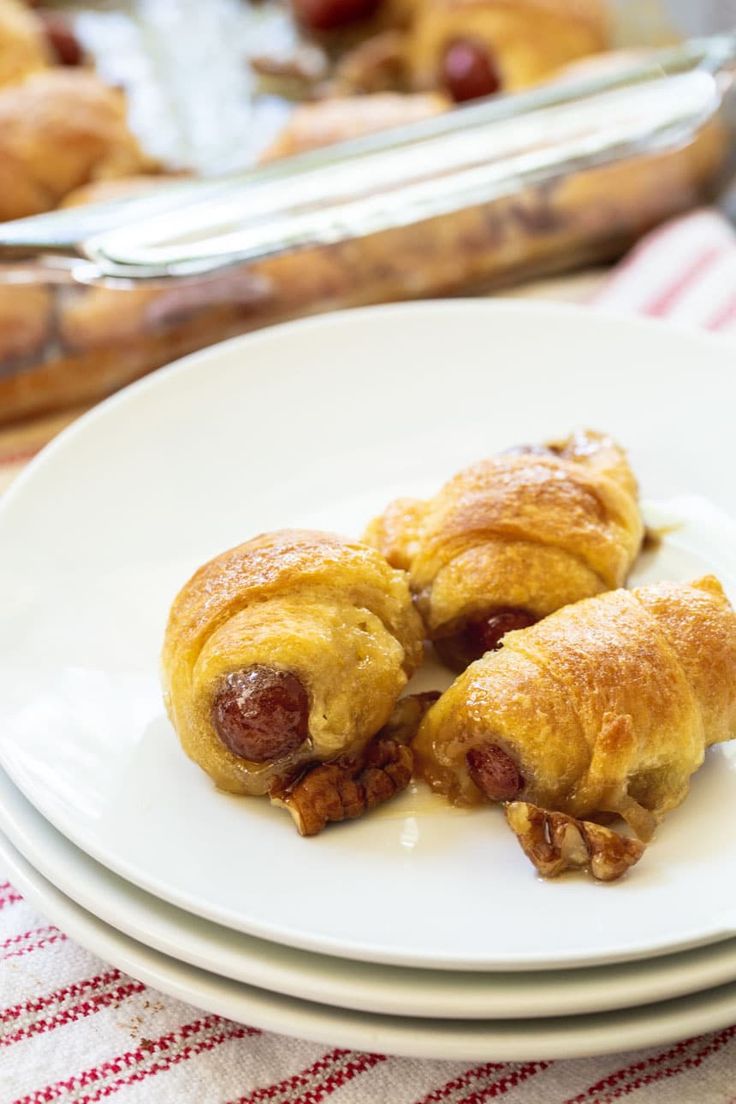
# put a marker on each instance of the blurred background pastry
(465, 48)
(478, 47)
(23, 45)
(59, 129)
(337, 119)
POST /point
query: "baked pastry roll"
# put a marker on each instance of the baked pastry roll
(23, 46)
(511, 539)
(60, 129)
(289, 650)
(605, 707)
(339, 118)
(477, 47)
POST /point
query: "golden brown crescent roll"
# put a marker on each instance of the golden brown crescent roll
(477, 47)
(511, 539)
(291, 649)
(60, 129)
(312, 125)
(605, 707)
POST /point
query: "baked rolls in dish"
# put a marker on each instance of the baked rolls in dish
(287, 651)
(513, 538)
(605, 707)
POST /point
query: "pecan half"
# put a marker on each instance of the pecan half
(555, 842)
(354, 784)
(346, 788)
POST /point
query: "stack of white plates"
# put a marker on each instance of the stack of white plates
(417, 930)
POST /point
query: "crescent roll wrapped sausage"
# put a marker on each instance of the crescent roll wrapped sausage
(285, 652)
(477, 47)
(605, 707)
(513, 538)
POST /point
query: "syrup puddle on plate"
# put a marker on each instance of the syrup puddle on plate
(417, 800)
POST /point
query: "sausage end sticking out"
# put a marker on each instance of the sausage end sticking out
(494, 772)
(469, 71)
(329, 15)
(261, 713)
(479, 635)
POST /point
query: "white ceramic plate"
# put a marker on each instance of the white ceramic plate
(366, 987)
(459, 1040)
(319, 423)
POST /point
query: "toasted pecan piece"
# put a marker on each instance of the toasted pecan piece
(355, 784)
(346, 788)
(555, 842)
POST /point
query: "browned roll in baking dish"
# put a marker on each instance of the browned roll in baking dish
(60, 129)
(340, 118)
(477, 47)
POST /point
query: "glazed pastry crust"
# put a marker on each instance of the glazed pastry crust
(330, 611)
(606, 706)
(533, 530)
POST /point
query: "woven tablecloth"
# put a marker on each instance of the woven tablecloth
(75, 1030)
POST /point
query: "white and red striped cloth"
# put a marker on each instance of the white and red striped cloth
(74, 1030)
(685, 272)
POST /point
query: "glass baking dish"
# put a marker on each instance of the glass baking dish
(476, 199)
